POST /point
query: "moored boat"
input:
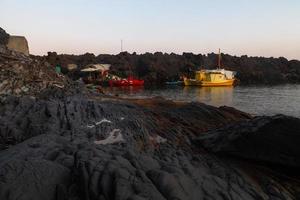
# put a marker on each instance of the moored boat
(208, 78)
(130, 81)
(211, 78)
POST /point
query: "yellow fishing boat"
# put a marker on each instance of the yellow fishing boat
(209, 78)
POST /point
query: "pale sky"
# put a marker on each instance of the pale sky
(253, 27)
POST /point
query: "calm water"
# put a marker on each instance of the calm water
(257, 100)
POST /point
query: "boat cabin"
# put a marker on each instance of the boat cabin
(205, 75)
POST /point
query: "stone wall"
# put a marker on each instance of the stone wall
(18, 43)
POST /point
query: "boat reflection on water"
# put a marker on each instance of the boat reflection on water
(124, 91)
(256, 100)
(216, 96)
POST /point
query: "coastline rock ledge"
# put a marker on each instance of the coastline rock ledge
(80, 147)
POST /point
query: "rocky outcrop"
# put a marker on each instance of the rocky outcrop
(23, 118)
(21, 75)
(18, 43)
(3, 37)
(273, 140)
(98, 147)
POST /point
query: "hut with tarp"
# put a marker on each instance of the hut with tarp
(95, 73)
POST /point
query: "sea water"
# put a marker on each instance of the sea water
(256, 100)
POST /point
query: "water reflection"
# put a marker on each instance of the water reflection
(257, 100)
(126, 90)
(216, 96)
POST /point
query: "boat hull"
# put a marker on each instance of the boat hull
(174, 82)
(125, 82)
(194, 82)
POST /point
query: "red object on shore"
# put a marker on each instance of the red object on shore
(130, 81)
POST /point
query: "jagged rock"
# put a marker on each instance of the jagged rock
(71, 115)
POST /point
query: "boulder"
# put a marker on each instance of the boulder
(269, 139)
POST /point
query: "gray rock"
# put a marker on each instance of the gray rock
(48, 151)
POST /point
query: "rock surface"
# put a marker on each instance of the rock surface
(3, 37)
(19, 74)
(50, 151)
(273, 140)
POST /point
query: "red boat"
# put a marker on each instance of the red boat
(130, 81)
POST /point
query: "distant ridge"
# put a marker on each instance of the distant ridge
(160, 67)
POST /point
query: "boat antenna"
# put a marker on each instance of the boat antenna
(219, 59)
(121, 45)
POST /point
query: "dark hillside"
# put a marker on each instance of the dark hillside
(159, 67)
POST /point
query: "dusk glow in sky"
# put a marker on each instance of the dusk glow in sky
(238, 27)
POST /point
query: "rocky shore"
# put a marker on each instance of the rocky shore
(95, 147)
(60, 141)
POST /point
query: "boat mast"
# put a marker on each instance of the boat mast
(121, 45)
(219, 59)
